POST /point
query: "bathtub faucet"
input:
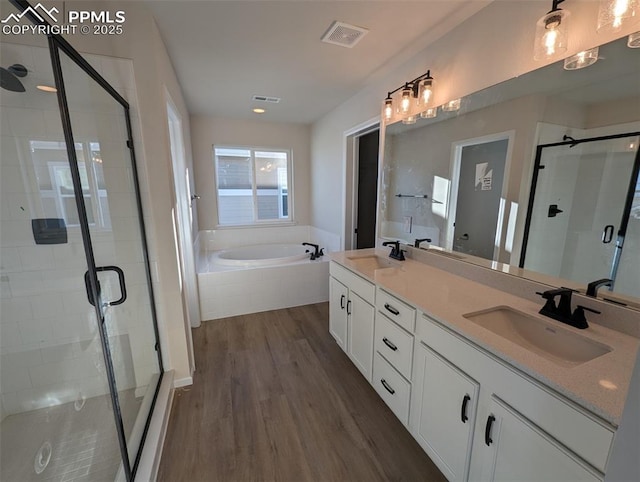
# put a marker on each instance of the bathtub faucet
(317, 253)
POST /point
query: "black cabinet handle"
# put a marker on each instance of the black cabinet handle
(487, 430)
(389, 344)
(463, 410)
(342, 302)
(387, 386)
(349, 307)
(391, 309)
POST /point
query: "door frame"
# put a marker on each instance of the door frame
(454, 175)
(350, 147)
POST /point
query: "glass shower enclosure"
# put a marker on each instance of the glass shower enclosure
(80, 362)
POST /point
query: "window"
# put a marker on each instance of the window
(253, 185)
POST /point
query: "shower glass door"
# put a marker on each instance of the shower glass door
(100, 127)
(585, 213)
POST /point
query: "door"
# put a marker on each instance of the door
(360, 340)
(514, 449)
(118, 280)
(338, 298)
(478, 199)
(368, 148)
(584, 215)
(444, 402)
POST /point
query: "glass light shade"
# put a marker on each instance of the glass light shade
(581, 59)
(388, 109)
(551, 35)
(613, 14)
(405, 103)
(409, 120)
(426, 92)
(451, 106)
(429, 113)
(633, 42)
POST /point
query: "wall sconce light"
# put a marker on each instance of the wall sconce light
(409, 120)
(633, 42)
(581, 59)
(612, 14)
(551, 33)
(420, 88)
(451, 106)
(430, 113)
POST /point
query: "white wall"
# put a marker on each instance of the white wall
(494, 45)
(207, 131)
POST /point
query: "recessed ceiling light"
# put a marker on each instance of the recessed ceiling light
(46, 88)
(258, 110)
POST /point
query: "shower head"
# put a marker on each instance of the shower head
(9, 77)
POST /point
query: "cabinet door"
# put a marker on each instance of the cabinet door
(514, 449)
(443, 411)
(360, 340)
(338, 298)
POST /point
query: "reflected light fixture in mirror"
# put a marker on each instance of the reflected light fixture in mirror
(388, 107)
(409, 120)
(613, 14)
(633, 42)
(451, 106)
(581, 59)
(405, 103)
(430, 113)
(46, 88)
(551, 33)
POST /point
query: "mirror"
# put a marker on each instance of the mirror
(536, 176)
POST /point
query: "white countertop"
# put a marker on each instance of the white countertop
(599, 385)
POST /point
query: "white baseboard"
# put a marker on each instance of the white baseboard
(154, 443)
(182, 382)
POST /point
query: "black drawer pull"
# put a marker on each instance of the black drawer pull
(487, 430)
(389, 344)
(463, 410)
(342, 297)
(349, 307)
(387, 386)
(391, 309)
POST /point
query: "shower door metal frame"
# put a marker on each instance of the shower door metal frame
(56, 44)
(537, 166)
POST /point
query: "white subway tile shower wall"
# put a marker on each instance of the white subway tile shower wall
(49, 344)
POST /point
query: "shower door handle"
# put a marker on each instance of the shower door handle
(123, 288)
(607, 234)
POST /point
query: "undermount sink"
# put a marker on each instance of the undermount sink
(547, 339)
(372, 262)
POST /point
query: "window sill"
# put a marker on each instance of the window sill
(256, 225)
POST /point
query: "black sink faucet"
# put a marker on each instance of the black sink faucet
(417, 242)
(592, 288)
(317, 252)
(396, 252)
(562, 312)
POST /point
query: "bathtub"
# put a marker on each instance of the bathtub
(250, 279)
(261, 255)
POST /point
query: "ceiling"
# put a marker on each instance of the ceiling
(224, 52)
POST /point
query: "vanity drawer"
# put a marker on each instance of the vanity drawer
(398, 311)
(355, 283)
(394, 344)
(392, 388)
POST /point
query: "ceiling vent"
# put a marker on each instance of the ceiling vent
(343, 34)
(264, 98)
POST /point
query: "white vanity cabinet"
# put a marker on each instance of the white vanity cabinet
(351, 316)
(443, 411)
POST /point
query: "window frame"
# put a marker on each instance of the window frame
(290, 219)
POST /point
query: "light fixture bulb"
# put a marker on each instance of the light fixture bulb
(551, 35)
(581, 59)
(388, 108)
(451, 106)
(405, 103)
(409, 120)
(430, 113)
(426, 88)
(633, 42)
(259, 110)
(46, 88)
(612, 14)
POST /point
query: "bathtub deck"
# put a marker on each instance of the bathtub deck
(274, 398)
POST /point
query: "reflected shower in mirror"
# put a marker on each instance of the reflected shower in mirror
(572, 218)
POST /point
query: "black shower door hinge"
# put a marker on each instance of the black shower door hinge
(129, 143)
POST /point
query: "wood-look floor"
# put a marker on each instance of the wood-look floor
(275, 398)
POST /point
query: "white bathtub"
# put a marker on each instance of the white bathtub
(261, 255)
(250, 279)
